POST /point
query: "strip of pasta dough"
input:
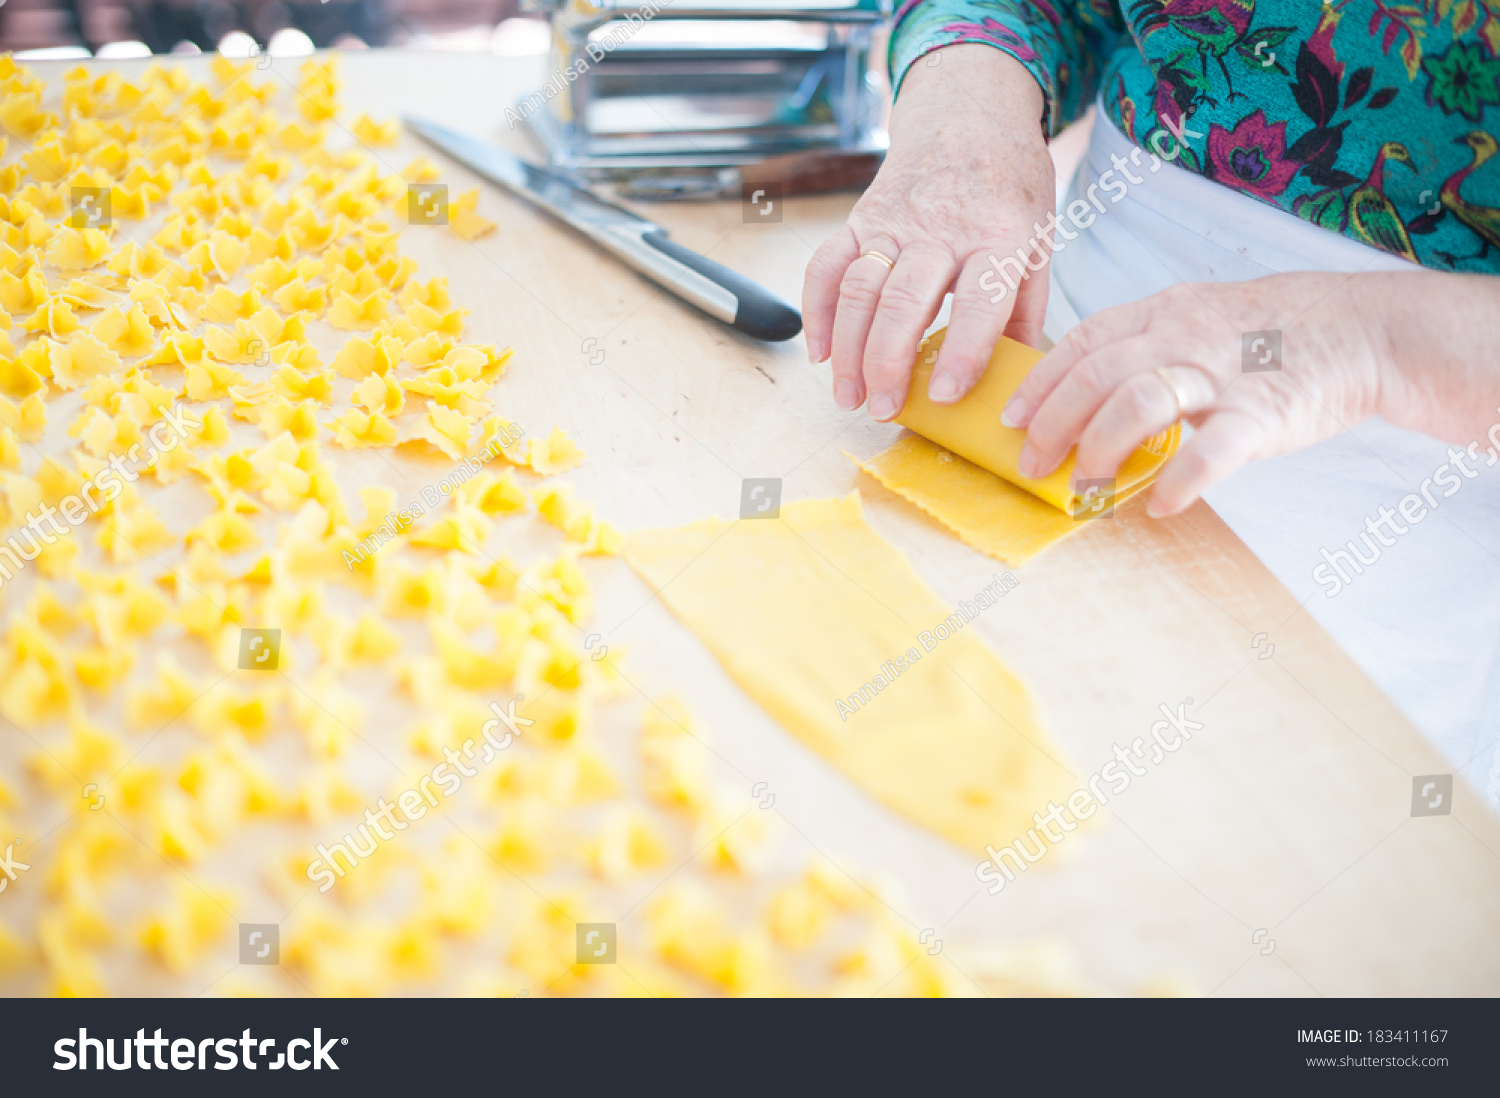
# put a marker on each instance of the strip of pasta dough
(960, 466)
(822, 622)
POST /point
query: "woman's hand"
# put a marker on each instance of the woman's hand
(968, 176)
(1416, 348)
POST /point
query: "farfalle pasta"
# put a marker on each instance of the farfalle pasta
(246, 300)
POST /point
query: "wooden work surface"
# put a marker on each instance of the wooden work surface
(1289, 813)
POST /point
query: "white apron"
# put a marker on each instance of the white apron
(1423, 619)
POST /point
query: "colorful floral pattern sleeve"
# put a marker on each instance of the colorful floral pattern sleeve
(1062, 43)
(1371, 118)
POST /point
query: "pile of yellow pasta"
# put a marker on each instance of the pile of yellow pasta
(158, 793)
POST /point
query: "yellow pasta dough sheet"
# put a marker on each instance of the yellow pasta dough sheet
(827, 627)
(960, 466)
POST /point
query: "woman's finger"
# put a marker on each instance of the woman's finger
(1140, 406)
(1095, 333)
(979, 316)
(820, 290)
(912, 295)
(859, 298)
(1029, 313)
(1225, 442)
(1058, 423)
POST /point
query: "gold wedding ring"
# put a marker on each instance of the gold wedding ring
(890, 264)
(1178, 397)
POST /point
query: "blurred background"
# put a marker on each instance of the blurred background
(132, 28)
(665, 105)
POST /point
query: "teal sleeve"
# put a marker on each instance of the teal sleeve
(1062, 43)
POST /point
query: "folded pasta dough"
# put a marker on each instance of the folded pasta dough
(822, 622)
(972, 428)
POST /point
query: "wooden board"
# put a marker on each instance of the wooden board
(1288, 814)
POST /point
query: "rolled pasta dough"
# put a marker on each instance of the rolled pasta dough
(960, 466)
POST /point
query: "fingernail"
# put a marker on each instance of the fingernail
(815, 352)
(1026, 464)
(943, 388)
(845, 395)
(1154, 509)
(1013, 414)
(882, 406)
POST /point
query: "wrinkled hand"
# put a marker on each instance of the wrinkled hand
(968, 175)
(1409, 347)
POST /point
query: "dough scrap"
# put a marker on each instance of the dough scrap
(805, 610)
(960, 466)
(986, 512)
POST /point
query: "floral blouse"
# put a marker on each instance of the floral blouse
(1372, 118)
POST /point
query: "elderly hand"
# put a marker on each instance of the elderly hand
(1415, 348)
(968, 176)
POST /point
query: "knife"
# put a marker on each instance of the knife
(712, 287)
